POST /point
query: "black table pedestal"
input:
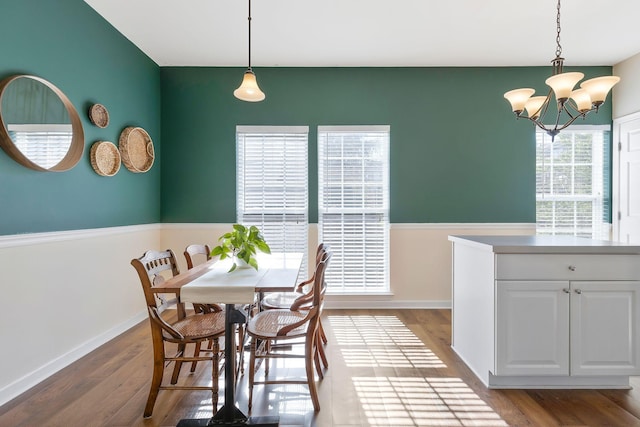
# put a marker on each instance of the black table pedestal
(229, 415)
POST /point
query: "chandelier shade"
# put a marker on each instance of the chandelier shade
(562, 84)
(599, 87)
(518, 98)
(249, 89)
(534, 106)
(570, 103)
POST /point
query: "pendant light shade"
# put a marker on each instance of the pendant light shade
(249, 89)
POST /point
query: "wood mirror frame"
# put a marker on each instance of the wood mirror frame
(74, 153)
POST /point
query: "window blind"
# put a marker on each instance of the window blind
(272, 185)
(44, 144)
(570, 182)
(353, 182)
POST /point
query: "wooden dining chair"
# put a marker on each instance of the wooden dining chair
(272, 327)
(152, 269)
(301, 297)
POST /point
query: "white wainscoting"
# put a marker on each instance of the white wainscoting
(66, 293)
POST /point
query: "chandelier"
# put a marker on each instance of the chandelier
(249, 90)
(571, 104)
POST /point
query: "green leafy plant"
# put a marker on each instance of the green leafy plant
(241, 244)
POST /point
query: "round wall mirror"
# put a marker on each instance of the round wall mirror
(41, 128)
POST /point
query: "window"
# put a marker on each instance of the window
(570, 182)
(272, 184)
(353, 182)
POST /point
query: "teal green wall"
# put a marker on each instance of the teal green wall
(457, 152)
(72, 46)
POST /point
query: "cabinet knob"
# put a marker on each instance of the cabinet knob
(578, 291)
(572, 267)
(565, 290)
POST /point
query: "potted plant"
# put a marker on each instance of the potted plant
(241, 244)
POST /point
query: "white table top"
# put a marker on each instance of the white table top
(218, 286)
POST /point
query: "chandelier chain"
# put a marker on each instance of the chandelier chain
(558, 47)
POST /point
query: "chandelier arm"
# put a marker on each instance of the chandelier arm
(545, 104)
(564, 126)
(574, 107)
(538, 124)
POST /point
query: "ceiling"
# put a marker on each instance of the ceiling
(353, 33)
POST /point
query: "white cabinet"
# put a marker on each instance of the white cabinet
(604, 328)
(532, 328)
(567, 328)
(539, 312)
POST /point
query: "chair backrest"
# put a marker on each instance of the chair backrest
(316, 295)
(314, 308)
(192, 251)
(153, 267)
(307, 286)
(320, 285)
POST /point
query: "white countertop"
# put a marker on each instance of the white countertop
(545, 244)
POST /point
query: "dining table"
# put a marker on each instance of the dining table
(212, 283)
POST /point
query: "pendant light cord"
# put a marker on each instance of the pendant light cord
(249, 35)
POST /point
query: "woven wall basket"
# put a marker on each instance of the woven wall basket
(105, 158)
(99, 115)
(136, 149)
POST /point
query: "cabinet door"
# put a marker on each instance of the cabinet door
(604, 328)
(532, 328)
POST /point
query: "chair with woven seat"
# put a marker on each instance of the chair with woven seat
(153, 268)
(300, 297)
(277, 326)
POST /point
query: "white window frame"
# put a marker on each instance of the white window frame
(360, 262)
(277, 187)
(599, 229)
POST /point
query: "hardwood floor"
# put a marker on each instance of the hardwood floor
(387, 368)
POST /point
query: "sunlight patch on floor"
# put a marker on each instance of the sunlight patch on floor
(409, 401)
(391, 358)
(380, 341)
(372, 331)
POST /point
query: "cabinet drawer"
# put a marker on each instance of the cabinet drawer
(567, 267)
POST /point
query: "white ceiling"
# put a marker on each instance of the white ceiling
(377, 32)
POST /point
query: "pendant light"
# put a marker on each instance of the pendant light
(249, 90)
(574, 103)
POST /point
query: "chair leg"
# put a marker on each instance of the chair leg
(178, 364)
(156, 380)
(252, 369)
(196, 353)
(320, 350)
(311, 379)
(215, 374)
(322, 334)
(267, 350)
(316, 361)
(241, 348)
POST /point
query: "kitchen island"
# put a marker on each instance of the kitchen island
(546, 311)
